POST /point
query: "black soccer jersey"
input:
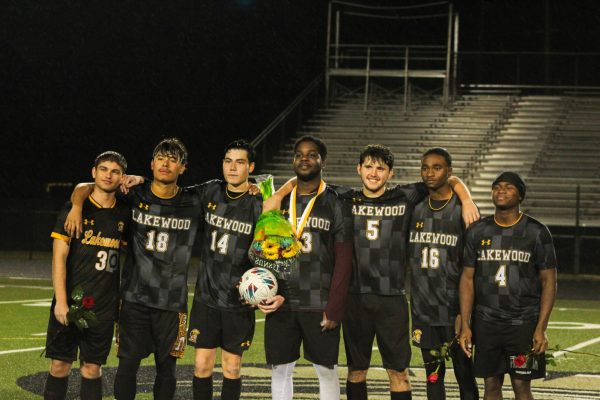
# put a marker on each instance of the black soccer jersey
(507, 262)
(162, 236)
(435, 258)
(93, 260)
(306, 288)
(227, 235)
(380, 228)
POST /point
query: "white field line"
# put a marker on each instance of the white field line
(576, 347)
(21, 350)
(27, 287)
(23, 278)
(23, 301)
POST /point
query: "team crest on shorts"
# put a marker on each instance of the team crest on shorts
(193, 335)
(416, 335)
(120, 226)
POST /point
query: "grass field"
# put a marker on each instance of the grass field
(24, 306)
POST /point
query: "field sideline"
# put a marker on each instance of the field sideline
(24, 306)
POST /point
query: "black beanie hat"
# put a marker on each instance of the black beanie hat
(513, 178)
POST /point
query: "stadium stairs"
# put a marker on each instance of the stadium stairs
(552, 141)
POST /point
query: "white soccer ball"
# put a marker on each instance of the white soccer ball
(257, 284)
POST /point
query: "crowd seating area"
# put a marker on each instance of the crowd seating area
(552, 141)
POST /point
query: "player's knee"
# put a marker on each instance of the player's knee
(204, 362)
(60, 369)
(90, 370)
(357, 376)
(232, 364)
(492, 386)
(521, 388)
(399, 380)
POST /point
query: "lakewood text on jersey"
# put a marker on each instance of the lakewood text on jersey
(182, 224)
(228, 224)
(433, 238)
(383, 211)
(503, 255)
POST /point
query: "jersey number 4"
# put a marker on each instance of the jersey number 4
(500, 277)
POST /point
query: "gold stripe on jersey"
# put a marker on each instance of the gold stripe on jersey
(98, 205)
(59, 236)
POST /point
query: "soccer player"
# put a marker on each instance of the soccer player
(509, 278)
(435, 258)
(153, 314)
(377, 304)
(218, 318)
(92, 264)
(311, 302)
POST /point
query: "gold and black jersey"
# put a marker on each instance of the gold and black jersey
(306, 287)
(228, 231)
(507, 262)
(93, 260)
(380, 229)
(163, 231)
(435, 258)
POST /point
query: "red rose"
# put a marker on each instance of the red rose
(87, 302)
(432, 378)
(520, 361)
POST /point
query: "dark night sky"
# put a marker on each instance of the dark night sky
(79, 78)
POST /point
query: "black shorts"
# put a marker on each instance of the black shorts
(93, 343)
(431, 337)
(385, 317)
(143, 330)
(211, 328)
(286, 330)
(497, 349)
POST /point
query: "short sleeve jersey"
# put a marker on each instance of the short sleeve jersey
(435, 258)
(380, 229)
(162, 236)
(227, 235)
(507, 262)
(93, 259)
(306, 288)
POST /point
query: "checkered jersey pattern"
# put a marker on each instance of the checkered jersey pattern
(380, 228)
(307, 286)
(93, 260)
(507, 262)
(435, 258)
(226, 237)
(162, 237)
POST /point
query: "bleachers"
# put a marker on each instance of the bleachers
(552, 141)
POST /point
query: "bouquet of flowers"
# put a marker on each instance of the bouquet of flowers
(275, 245)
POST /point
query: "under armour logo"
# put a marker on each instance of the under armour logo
(246, 343)
(357, 199)
(212, 206)
(144, 206)
(485, 242)
(419, 225)
(285, 212)
(88, 222)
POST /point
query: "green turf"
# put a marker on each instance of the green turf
(20, 322)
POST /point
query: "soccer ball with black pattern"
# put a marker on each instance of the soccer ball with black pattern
(257, 284)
